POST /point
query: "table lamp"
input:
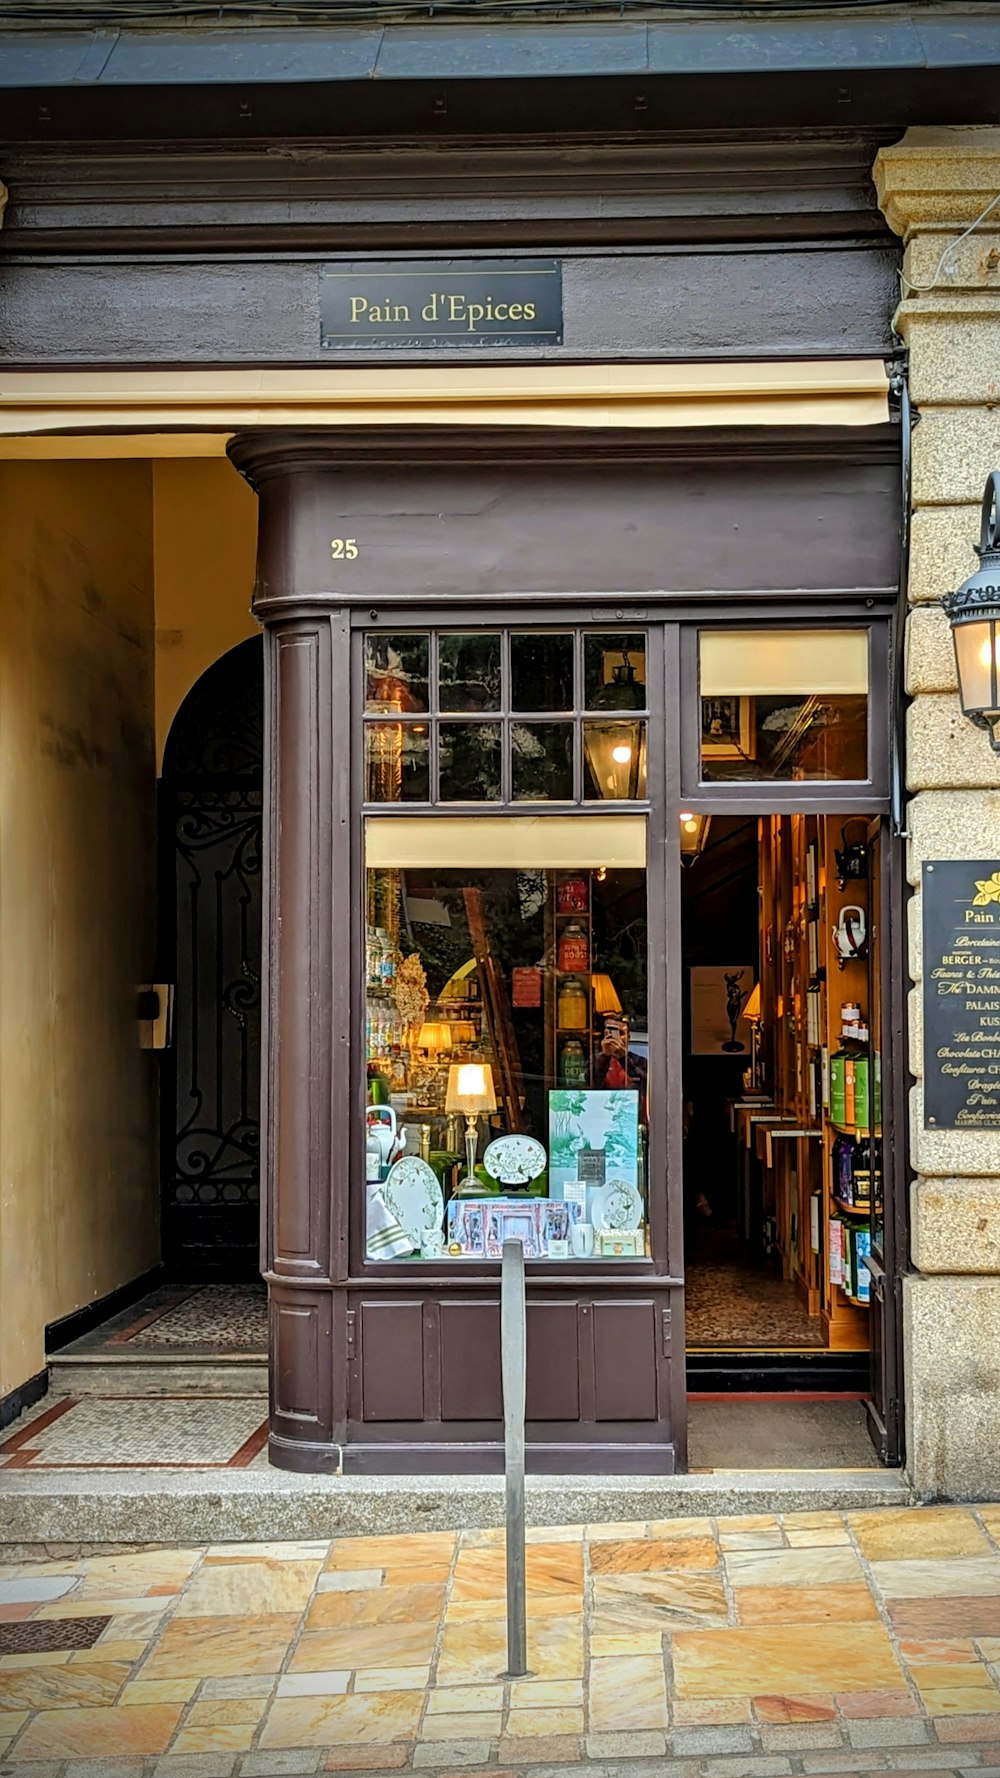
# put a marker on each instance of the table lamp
(605, 994)
(434, 1037)
(754, 1018)
(470, 1091)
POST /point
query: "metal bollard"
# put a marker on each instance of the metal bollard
(513, 1351)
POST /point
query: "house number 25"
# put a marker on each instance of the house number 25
(344, 549)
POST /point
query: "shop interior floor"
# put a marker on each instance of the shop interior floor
(793, 1433)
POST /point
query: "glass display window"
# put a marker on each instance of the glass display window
(506, 716)
(506, 1007)
(784, 704)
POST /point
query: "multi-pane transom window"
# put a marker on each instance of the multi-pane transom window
(505, 716)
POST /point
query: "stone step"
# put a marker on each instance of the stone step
(157, 1373)
(150, 1506)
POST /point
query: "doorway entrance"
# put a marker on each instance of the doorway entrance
(211, 799)
(785, 1071)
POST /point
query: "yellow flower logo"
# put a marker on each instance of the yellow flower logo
(988, 890)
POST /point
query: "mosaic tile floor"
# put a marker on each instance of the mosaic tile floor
(758, 1646)
(731, 1304)
(139, 1432)
(199, 1319)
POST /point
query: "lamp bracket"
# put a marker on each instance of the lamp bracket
(990, 723)
(990, 520)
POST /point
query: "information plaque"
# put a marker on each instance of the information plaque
(424, 304)
(961, 979)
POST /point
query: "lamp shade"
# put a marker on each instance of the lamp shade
(434, 1037)
(470, 1088)
(605, 997)
(694, 834)
(751, 1010)
(974, 614)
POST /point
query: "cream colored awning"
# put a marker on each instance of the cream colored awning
(146, 413)
(505, 842)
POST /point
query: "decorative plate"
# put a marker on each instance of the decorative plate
(413, 1194)
(515, 1160)
(617, 1205)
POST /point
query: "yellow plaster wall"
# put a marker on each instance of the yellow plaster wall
(78, 1098)
(205, 542)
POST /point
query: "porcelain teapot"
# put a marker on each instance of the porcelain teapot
(849, 934)
(383, 1130)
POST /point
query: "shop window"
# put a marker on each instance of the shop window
(784, 704)
(505, 716)
(507, 1048)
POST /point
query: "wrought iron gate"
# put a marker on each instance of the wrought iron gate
(210, 840)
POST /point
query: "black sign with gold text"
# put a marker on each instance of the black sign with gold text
(410, 305)
(961, 974)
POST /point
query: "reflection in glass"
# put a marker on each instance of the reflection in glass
(541, 668)
(614, 672)
(397, 762)
(800, 735)
(615, 760)
(522, 1121)
(784, 703)
(469, 762)
(542, 761)
(396, 669)
(469, 672)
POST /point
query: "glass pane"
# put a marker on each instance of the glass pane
(469, 762)
(396, 672)
(801, 736)
(614, 672)
(532, 1125)
(469, 672)
(542, 761)
(541, 670)
(784, 704)
(614, 757)
(397, 762)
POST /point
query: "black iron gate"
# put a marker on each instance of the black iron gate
(211, 797)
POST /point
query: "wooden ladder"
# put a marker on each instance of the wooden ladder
(496, 1010)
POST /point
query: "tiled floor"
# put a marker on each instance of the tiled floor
(139, 1432)
(813, 1643)
(197, 1320)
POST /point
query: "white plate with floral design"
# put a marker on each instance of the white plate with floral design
(515, 1160)
(413, 1193)
(617, 1206)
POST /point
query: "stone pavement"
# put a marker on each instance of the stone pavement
(753, 1647)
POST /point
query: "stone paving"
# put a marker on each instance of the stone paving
(754, 1647)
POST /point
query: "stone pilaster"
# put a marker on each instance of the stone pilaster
(931, 186)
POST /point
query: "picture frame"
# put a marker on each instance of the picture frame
(727, 728)
(718, 994)
(507, 1221)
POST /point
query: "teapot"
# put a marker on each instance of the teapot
(383, 1131)
(849, 935)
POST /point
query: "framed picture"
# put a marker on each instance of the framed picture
(592, 1134)
(506, 1221)
(727, 728)
(719, 992)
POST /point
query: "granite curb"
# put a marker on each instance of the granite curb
(473, 1760)
(215, 1506)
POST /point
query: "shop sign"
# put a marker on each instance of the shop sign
(961, 965)
(412, 305)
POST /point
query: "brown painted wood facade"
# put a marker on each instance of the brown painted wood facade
(396, 1367)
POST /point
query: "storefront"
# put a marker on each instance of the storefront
(562, 417)
(484, 774)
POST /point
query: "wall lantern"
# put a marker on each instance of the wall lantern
(616, 750)
(974, 614)
(694, 834)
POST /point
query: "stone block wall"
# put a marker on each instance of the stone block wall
(932, 185)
